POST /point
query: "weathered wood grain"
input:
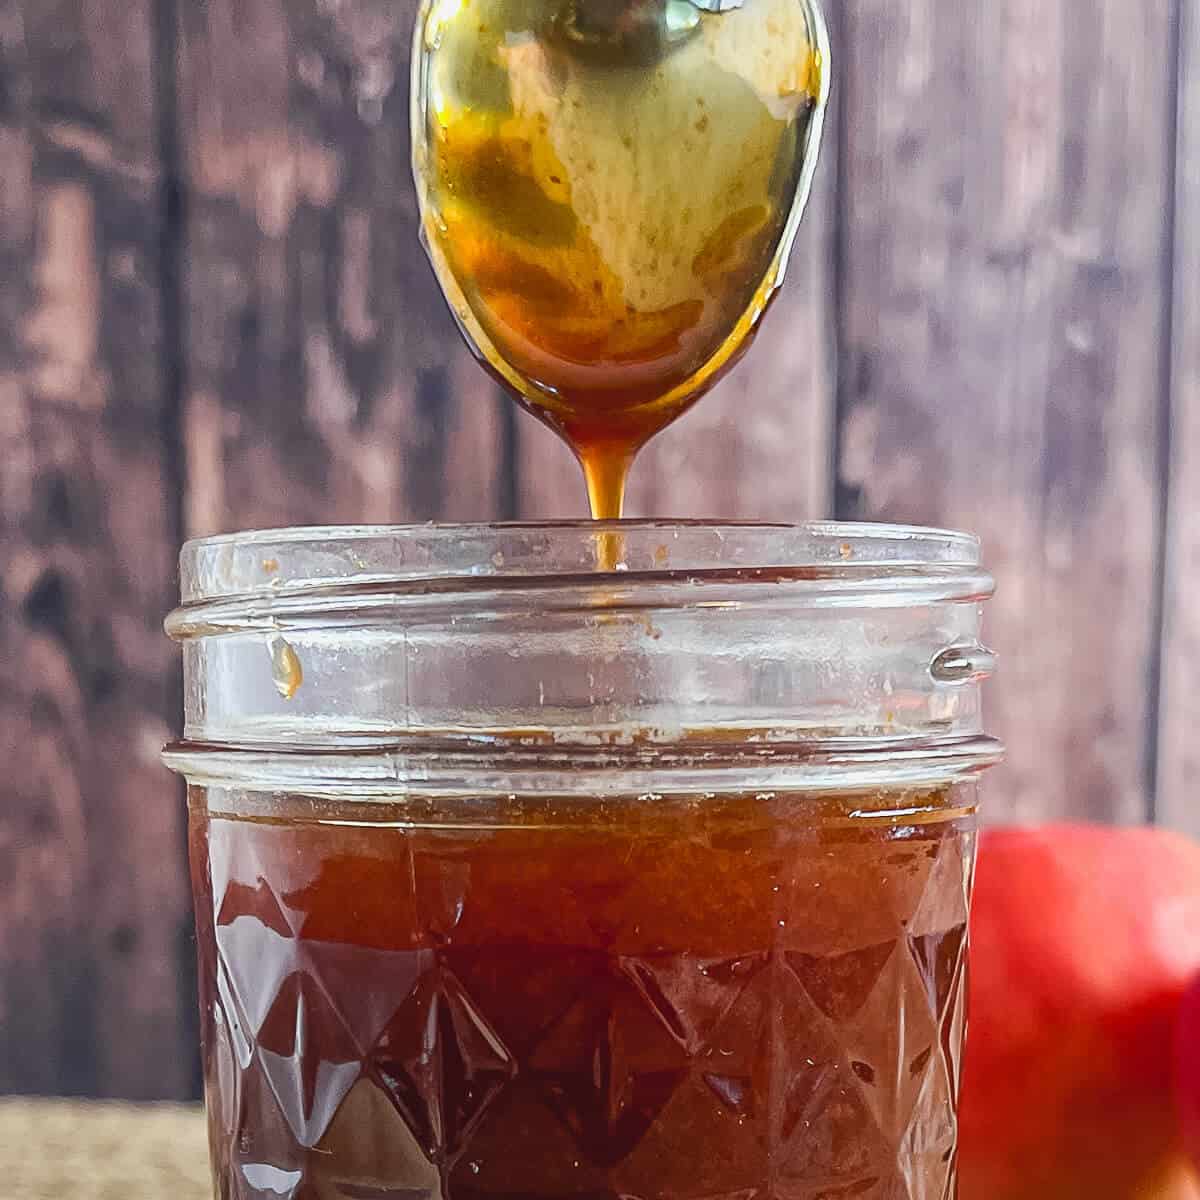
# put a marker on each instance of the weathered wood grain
(981, 284)
(93, 904)
(1178, 774)
(324, 379)
(758, 447)
(1004, 238)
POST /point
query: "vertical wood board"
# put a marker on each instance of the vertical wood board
(1178, 775)
(93, 901)
(1005, 235)
(324, 380)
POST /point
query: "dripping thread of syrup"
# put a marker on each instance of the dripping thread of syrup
(606, 472)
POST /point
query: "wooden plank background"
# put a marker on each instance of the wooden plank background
(214, 313)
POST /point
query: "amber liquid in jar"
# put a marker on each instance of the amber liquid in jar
(751, 996)
(609, 191)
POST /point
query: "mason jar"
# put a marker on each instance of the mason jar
(519, 877)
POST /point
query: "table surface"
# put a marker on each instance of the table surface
(64, 1150)
(75, 1150)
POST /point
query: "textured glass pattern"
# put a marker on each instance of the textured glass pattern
(733, 1010)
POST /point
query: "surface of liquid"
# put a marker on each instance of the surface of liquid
(745, 997)
(610, 189)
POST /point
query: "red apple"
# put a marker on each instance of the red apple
(1187, 1070)
(1083, 942)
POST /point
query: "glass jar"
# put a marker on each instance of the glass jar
(515, 877)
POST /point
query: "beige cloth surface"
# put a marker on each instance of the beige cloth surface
(72, 1150)
(64, 1150)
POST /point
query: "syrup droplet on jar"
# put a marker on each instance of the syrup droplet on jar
(286, 670)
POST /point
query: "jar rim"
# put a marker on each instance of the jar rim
(449, 637)
(474, 556)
